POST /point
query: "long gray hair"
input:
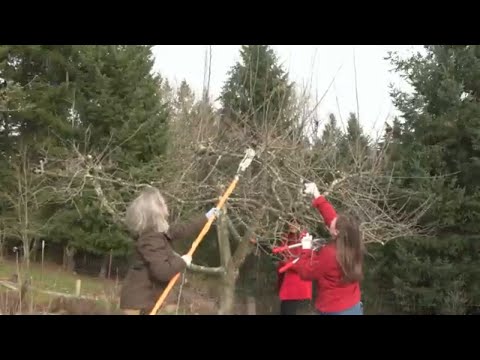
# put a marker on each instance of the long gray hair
(148, 212)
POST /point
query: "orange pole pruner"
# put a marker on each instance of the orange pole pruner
(244, 164)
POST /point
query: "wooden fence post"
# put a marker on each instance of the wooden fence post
(78, 287)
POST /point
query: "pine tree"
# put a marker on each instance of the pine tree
(185, 97)
(389, 145)
(43, 74)
(120, 106)
(119, 97)
(331, 133)
(34, 124)
(354, 145)
(438, 159)
(257, 92)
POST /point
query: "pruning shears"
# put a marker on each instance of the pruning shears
(318, 243)
(279, 249)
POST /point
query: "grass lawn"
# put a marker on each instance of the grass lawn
(106, 292)
(54, 278)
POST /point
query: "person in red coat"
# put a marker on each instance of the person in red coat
(337, 268)
(292, 290)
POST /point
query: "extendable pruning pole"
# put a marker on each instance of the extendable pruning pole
(244, 164)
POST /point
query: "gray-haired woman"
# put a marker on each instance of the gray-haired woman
(154, 261)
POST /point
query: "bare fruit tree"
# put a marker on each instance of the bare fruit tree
(28, 191)
(203, 158)
(205, 148)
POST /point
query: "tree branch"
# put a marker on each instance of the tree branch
(204, 269)
(233, 230)
(220, 270)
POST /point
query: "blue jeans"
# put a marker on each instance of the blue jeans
(354, 310)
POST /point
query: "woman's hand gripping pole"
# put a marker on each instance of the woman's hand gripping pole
(244, 164)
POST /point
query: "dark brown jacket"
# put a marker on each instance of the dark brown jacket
(154, 264)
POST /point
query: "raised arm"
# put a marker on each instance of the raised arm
(190, 229)
(325, 209)
(158, 254)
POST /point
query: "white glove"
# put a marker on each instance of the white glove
(311, 189)
(307, 242)
(212, 212)
(187, 258)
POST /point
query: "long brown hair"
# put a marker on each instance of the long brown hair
(350, 248)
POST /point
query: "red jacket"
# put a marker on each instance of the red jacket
(325, 209)
(322, 266)
(291, 286)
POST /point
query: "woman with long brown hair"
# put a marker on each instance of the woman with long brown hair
(337, 267)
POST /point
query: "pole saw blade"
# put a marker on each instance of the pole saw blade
(247, 160)
(244, 164)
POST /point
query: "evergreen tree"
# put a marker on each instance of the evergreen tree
(354, 145)
(331, 133)
(119, 98)
(257, 92)
(119, 118)
(36, 100)
(42, 74)
(185, 97)
(439, 159)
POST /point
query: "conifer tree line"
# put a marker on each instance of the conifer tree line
(83, 128)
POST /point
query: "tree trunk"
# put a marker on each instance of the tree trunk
(2, 240)
(241, 253)
(231, 263)
(227, 298)
(69, 258)
(34, 249)
(26, 251)
(103, 269)
(110, 259)
(227, 295)
(232, 270)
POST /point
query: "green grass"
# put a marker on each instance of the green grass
(54, 278)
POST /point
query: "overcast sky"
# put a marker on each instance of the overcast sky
(308, 65)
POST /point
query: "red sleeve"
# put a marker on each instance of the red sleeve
(311, 264)
(325, 209)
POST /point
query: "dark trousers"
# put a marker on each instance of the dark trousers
(289, 307)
